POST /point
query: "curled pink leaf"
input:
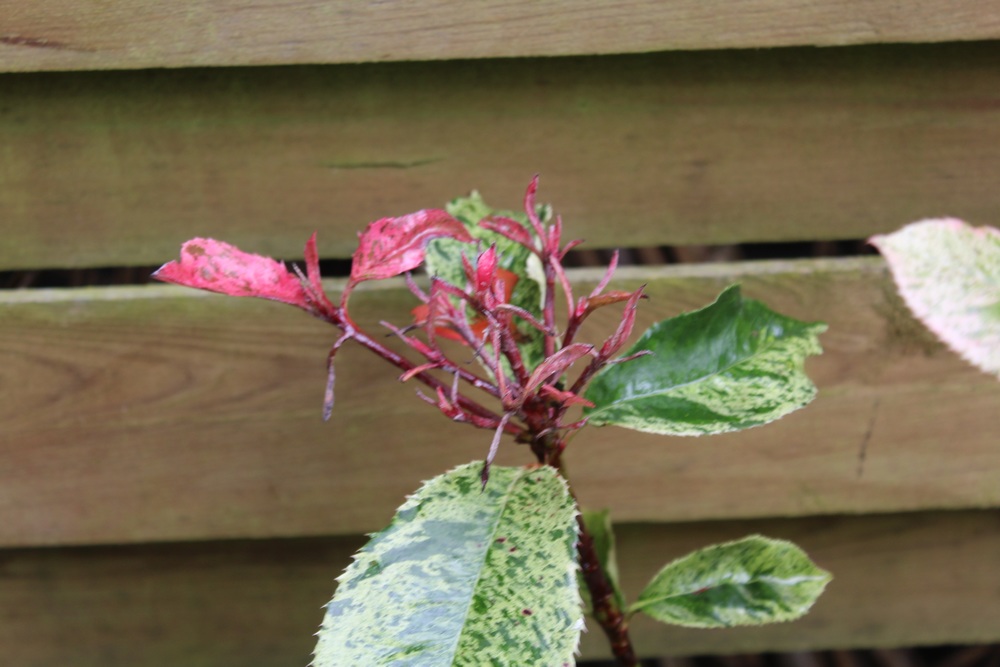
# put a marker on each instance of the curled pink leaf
(509, 228)
(223, 268)
(391, 246)
(617, 340)
(486, 271)
(529, 207)
(557, 364)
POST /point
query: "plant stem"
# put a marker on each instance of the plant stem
(606, 611)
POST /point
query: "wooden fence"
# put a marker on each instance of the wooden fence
(169, 494)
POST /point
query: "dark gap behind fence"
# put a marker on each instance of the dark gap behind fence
(581, 257)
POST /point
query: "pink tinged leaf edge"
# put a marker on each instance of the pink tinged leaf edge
(510, 229)
(219, 267)
(392, 246)
(954, 321)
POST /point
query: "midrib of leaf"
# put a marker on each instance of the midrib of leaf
(702, 378)
(735, 581)
(486, 552)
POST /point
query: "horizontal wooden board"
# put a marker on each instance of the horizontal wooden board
(915, 579)
(127, 34)
(110, 169)
(155, 413)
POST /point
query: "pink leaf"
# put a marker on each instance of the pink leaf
(948, 272)
(509, 228)
(486, 271)
(391, 246)
(219, 267)
(624, 330)
(557, 364)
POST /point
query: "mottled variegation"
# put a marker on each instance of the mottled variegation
(464, 577)
(752, 581)
(729, 366)
(949, 275)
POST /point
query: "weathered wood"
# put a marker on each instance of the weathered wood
(106, 169)
(911, 579)
(155, 413)
(126, 34)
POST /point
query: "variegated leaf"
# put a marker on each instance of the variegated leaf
(752, 581)
(392, 246)
(949, 275)
(216, 266)
(464, 576)
(729, 366)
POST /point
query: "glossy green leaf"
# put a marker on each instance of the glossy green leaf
(464, 576)
(729, 366)
(601, 531)
(752, 581)
(949, 275)
(444, 260)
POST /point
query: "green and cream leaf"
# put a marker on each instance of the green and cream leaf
(948, 273)
(464, 577)
(752, 581)
(729, 366)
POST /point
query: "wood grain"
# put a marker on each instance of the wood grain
(110, 169)
(905, 580)
(127, 34)
(148, 414)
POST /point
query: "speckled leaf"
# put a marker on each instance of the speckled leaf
(949, 275)
(752, 581)
(602, 532)
(444, 260)
(216, 266)
(729, 366)
(464, 576)
(392, 246)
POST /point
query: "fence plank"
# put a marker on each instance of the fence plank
(156, 414)
(108, 169)
(912, 579)
(126, 34)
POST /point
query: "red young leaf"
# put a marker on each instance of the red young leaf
(557, 364)
(391, 246)
(219, 267)
(509, 228)
(486, 270)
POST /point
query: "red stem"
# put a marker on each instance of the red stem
(606, 611)
(405, 364)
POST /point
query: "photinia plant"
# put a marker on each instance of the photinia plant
(485, 564)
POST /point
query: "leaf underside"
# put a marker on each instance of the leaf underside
(464, 576)
(752, 581)
(949, 275)
(729, 366)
